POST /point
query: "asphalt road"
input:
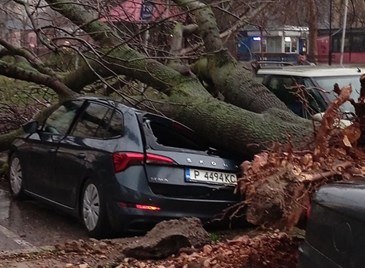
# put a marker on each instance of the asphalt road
(27, 224)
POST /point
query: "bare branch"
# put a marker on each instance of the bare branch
(32, 59)
(207, 24)
(32, 76)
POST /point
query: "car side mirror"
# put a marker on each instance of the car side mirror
(318, 117)
(341, 123)
(30, 127)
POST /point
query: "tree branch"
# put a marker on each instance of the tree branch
(121, 60)
(180, 31)
(31, 58)
(31, 76)
(208, 29)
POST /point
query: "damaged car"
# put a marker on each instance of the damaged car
(119, 169)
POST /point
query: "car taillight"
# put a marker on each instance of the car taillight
(122, 161)
(158, 159)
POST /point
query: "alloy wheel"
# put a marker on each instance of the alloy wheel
(16, 176)
(91, 207)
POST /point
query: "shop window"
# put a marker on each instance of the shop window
(290, 44)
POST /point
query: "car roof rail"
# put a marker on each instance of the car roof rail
(274, 64)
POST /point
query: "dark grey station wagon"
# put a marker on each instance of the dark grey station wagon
(118, 168)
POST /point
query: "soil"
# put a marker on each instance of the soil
(233, 248)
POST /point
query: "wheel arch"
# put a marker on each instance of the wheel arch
(103, 228)
(89, 176)
(12, 150)
(79, 195)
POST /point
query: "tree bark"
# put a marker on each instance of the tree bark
(237, 130)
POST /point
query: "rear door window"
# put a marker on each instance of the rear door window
(59, 122)
(99, 121)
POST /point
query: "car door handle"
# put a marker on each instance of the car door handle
(53, 150)
(81, 155)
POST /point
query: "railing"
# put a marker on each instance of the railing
(278, 57)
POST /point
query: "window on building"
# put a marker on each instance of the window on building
(337, 43)
(290, 44)
(294, 45)
(274, 44)
(287, 44)
(259, 44)
(357, 43)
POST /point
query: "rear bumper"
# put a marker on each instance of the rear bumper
(309, 257)
(131, 219)
(177, 200)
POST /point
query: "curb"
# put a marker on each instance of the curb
(14, 253)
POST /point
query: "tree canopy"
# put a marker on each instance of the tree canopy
(184, 71)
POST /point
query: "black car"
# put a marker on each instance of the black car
(335, 233)
(119, 168)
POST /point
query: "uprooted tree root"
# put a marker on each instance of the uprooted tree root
(277, 185)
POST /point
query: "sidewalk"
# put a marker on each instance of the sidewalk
(37, 257)
(36, 264)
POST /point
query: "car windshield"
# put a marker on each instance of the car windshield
(327, 84)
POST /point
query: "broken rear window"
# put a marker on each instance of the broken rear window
(169, 133)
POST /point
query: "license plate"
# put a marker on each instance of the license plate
(207, 176)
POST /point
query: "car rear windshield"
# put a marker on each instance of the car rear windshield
(169, 133)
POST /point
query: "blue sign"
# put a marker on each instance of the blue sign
(147, 10)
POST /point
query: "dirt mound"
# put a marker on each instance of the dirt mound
(269, 249)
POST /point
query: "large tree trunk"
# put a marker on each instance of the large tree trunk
(239, 130)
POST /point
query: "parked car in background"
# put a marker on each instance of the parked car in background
(335, 233)
(119, 168)
(318, 82)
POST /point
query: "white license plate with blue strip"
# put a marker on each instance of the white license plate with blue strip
(211, 177)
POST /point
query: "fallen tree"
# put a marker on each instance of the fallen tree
(211, 92)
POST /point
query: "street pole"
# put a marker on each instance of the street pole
(330, 37)
(344, 32)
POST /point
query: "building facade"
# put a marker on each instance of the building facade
(272, 44)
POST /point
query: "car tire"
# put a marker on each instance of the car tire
(93, 210)
(15, 176)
